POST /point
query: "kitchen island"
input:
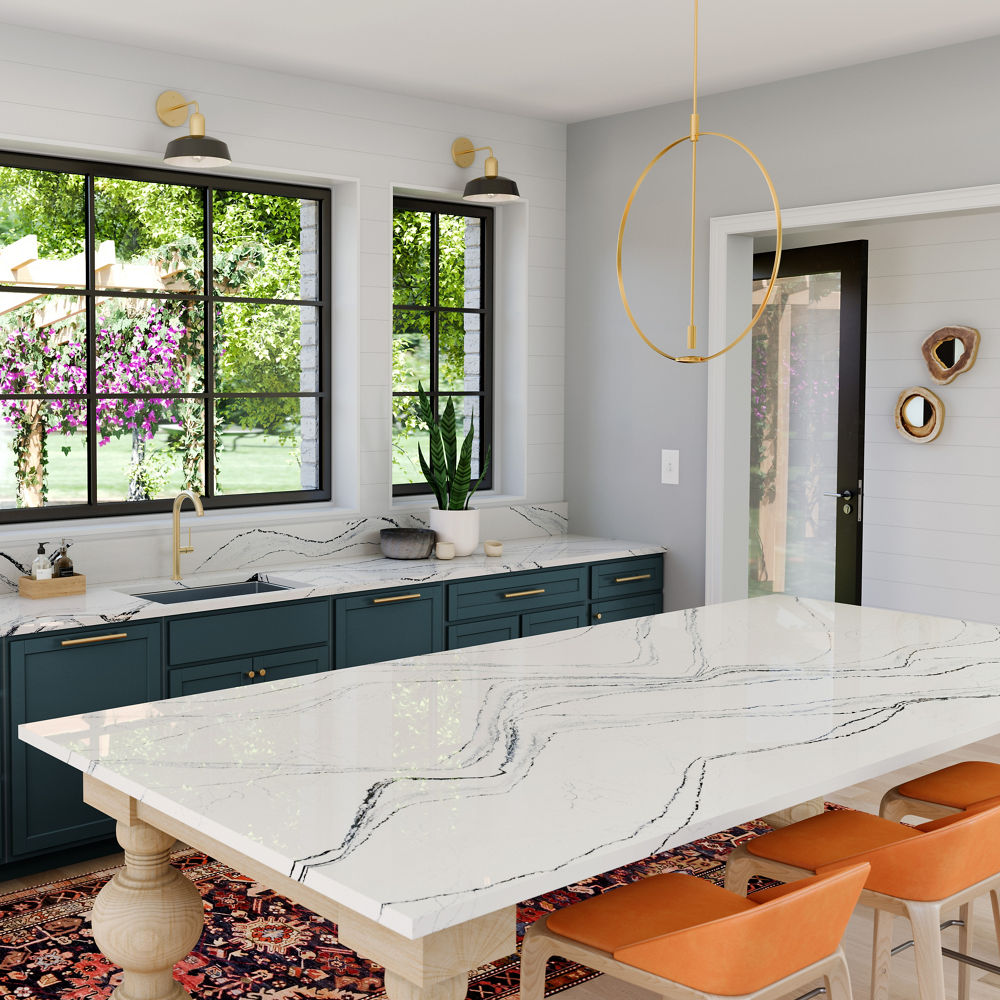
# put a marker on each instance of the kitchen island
(416, 802)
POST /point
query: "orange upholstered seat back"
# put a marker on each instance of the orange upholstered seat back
(952, 854)
(797, 926)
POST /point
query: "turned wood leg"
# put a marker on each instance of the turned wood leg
(739, 868)
(882, 954)
(964, 937)
(925, 919)
(148, 917)
(399, 988)
(793, 814)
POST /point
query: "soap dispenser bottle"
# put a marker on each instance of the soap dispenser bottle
(63, 565)
(40, 567)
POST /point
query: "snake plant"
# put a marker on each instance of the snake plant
(449, 471)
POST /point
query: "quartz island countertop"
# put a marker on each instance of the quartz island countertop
(113, 603)
(425, 792)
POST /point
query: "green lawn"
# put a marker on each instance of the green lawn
(256, 464)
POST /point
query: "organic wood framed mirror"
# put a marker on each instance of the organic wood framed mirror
(950, 351)
(919, 414)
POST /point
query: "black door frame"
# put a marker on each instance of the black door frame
(851, 260)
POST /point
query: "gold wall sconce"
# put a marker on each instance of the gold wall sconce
(491, 188)
(919, 414)
(950, 351)
(194, 149)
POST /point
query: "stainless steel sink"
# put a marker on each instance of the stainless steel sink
(183, 595)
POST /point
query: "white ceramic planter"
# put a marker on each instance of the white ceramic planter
(460, 527)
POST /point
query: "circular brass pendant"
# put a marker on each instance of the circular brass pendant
(695, 358)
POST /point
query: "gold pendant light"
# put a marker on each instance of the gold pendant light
(696, 134)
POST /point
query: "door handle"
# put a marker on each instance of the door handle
(93, 638)
(392, 600)
(842, 495)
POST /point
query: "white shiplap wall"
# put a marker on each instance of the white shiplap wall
(80, 97)
(932, 511)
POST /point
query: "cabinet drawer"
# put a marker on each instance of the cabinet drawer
(631, 576)
(228, 634)
(626, 607)
(388, 625)
(517, 593)
(557, 620)
(204, 677)
(491, 630)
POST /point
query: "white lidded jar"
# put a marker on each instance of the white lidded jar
(460, 527)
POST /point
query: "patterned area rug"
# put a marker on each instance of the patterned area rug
(259, 946)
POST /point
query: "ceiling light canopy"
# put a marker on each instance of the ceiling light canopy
(695, 135)
(194, 149)
(491, 188)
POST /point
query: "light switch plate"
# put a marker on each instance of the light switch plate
(670, 467)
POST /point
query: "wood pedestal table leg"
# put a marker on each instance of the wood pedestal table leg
(148, 917)
(793, 814)
(434, 967)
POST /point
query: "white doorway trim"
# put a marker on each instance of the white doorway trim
(731, 247)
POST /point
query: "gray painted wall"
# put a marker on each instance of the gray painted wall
(915, 123)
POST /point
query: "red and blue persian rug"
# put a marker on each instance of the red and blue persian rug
(259, 946)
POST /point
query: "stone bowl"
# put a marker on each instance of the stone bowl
(407, 543)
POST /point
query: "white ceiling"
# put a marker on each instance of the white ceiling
(565, 60)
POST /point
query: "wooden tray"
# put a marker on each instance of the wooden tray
(58, 586)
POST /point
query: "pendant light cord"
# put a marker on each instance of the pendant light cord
(692, 330)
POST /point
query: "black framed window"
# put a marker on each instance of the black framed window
(442, 327)
(129, 369)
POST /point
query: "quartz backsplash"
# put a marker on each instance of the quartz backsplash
(109, 552)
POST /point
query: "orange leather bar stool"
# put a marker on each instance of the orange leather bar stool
(685, 938)
(943, 792)
(916, 873)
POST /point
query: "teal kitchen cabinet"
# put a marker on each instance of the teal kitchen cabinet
(69, 673)
(602, 612)
(516, 593)
(224, 674)
(388, 625)
(626, 577)
(557, 620)
(491, 630)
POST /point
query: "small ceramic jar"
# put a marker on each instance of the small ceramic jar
(445, 550)
(492, 547)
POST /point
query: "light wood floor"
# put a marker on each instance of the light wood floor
(864, 796)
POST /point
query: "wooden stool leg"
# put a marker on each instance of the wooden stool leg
(740, 866)
(148, 917)
(882, 954)
(838, 979)
(925, 919)
(995, 902)
(964, 937)
(536, 951)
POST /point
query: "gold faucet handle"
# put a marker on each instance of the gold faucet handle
(186, 548)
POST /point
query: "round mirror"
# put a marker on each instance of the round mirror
(949, 351)
(919, 414)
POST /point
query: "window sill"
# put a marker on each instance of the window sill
(486, 498)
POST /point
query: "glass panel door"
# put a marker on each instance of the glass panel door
(804, 428)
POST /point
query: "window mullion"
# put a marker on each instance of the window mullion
(90, 282)
(208, 346)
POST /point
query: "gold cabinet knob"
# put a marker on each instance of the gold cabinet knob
(252, 674)
(598, 616)
(262, 672)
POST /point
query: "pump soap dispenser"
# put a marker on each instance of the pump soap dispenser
(41, 569)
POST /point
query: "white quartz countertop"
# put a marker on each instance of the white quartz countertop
(117, 603)
(425, 792)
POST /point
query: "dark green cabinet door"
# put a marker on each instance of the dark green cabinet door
(627, 607)
(293, 663)
(491, 630)
(204, 677)
(388, 624)
(540, 622)
(50, 677)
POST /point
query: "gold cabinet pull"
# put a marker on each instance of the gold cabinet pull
(392, 600)
(526, 593)
(629, 579)
(252, 674)
(93, 638)
(598, 616)
(263, 672)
